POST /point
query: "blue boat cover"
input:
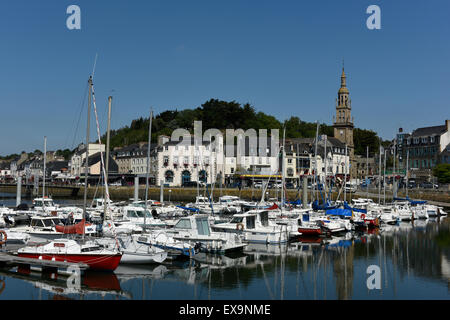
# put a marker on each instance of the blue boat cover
(413, 202)
(340, 212)
(341, 243)
(346, 206)
(316, 206)
(190, 209)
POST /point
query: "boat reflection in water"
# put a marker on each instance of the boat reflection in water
(89, 285)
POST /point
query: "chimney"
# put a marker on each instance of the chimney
(447, 125)
(162, 140)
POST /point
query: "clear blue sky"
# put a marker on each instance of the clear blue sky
(283, 57)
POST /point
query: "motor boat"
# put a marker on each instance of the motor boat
(44, 205)
(13, 237)
(43, 229)
(139, 217)
(255, 226)
(174, 248)
(196, 229)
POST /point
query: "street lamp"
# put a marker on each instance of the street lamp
(170, 191)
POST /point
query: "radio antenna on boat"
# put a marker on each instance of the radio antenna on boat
(95, 63)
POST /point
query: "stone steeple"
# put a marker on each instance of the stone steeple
(343, 122)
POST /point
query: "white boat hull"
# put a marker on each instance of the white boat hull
(142, 258)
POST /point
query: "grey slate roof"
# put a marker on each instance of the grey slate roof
(429, 131)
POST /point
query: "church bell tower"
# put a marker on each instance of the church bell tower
(343, 122)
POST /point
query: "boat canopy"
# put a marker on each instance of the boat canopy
(340, 212)
(346, 206)
(316, 206)
(187, 208)
(413, 202)
(72, 229)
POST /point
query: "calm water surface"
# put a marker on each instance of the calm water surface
(414, 260)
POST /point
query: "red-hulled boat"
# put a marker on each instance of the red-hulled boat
(371, 222)
(90, 253)
(310, 230)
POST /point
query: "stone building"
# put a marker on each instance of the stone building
(425, 148)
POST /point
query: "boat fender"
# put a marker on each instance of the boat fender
(4, 237)
(240, 226)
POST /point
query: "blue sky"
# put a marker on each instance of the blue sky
(283, 57)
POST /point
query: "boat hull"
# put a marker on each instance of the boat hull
(310, 231)
(105, 262)
(141, 258)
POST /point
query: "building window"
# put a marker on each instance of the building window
(290, 172)
(169, 176)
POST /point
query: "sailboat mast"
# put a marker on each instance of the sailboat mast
(283, 155)
(384, 179)
(148, 165)
(345, 174)
(315, 162)
(379, 176)
(43, 173)
(394, 185)
(86, 167)
(367, 173)
(325, 164)
(107, 153)
(407, 163)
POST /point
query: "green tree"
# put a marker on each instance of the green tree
(365, 138)
(442, 172)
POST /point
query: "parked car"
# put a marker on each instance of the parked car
(350, 188)
(411, 185)
(290, 185)
(258, 185)
(192, 184)
(426, 185)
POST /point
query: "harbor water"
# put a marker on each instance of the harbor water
(413, 260)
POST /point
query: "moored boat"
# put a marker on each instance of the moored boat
(66, 250)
